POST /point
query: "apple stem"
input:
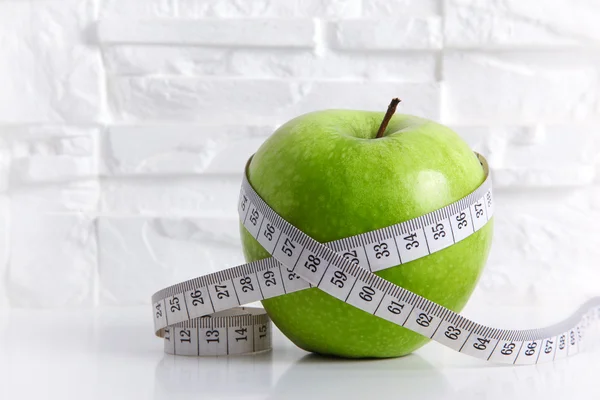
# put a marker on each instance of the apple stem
(388, 115)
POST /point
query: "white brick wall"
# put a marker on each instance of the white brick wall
(124, 126)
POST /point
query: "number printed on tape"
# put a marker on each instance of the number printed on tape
(462, 225)
(247, 288)
(439, 235)
(382, 254)
(338, 283)
(365, 296)
(394, 309)
(271, 283)
(186, 341)
(176, 309)
(255, 221)
(423, 322)
(412, 245)
(213, 341)
(356, 255)
(268, 235)
(450, 334)
(203, 316)
(198, 303)
(223, 295)
(479, 346)
(292, 281)
(309, 263)
(240, 339)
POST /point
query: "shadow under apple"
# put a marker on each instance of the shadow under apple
(315, 376)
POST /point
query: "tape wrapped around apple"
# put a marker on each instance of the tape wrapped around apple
(338, 173)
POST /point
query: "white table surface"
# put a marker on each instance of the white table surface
(113, 354)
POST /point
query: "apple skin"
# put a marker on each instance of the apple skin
(327, 174)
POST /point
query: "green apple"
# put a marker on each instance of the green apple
(328, 174)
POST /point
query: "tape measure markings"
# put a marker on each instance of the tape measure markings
(481, 341)
(247, 332)
(338, 276)
(387, 234)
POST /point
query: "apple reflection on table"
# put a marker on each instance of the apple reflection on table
(290, 374)
(310, 376)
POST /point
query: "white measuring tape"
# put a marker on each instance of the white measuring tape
(202, 316)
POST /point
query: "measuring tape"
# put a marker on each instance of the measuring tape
(202, 316)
